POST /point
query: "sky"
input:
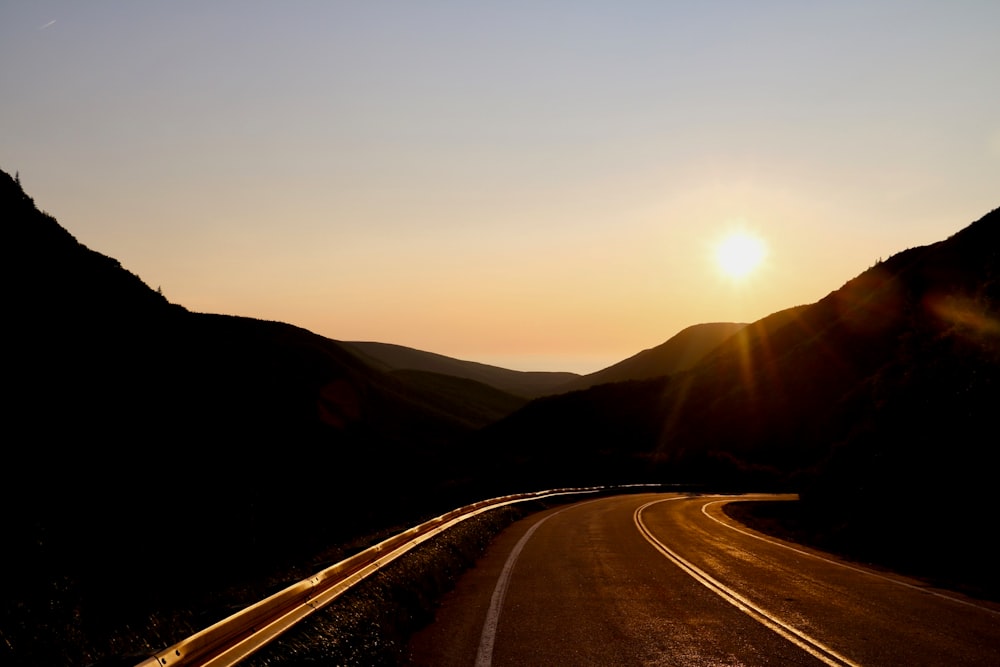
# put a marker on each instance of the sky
(536, 185)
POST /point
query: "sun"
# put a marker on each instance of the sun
(739, 254)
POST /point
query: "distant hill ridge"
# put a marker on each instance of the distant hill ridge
(679, 353)
(529, 384)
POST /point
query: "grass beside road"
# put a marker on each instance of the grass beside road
(947, 565)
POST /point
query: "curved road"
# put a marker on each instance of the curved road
(657, 579)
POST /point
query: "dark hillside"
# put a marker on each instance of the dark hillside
(802, 377)
(784, 389)
(156, 458)
(472, 403)
(878, 403)
(152, 454)
(586, 437)
(914, 446)
(528, 384)
(679, 353)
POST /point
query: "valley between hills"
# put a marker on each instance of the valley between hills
(212, 457)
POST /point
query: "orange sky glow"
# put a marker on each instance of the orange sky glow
(538, 186)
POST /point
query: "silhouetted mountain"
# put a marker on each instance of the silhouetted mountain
(472, 403)
(529, 384)
(780, 391)
(877, 402)
(679, 353)
(812, 376)
(187, 451)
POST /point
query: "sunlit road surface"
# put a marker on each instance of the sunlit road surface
(669, 580)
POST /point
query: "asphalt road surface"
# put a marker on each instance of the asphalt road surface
(657, 579)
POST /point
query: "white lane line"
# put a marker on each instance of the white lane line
(809, 644)
(853, 568)
(484, 658)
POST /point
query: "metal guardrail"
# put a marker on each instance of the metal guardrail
(234, 638)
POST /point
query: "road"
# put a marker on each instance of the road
(656, 579)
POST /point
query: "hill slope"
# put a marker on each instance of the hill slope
(195, 451)
(188, 451)
(528, 384)
(782, 389)
(679, 353)
(864, 401)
